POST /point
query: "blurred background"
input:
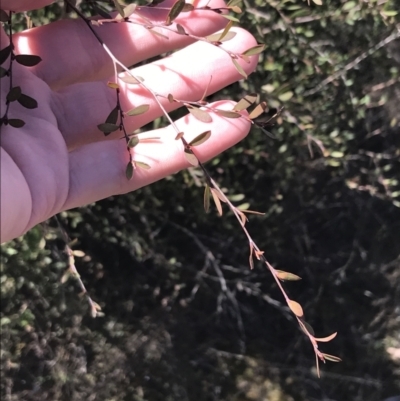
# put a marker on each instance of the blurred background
(183, 316)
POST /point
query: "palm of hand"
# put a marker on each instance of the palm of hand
(59, 159)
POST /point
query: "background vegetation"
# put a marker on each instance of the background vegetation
(184, 318)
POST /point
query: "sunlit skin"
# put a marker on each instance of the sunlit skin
(59, 159)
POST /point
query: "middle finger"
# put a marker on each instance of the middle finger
(185, 74)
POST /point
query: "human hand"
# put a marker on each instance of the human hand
(59, 159)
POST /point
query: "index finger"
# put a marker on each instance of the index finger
(70, 53)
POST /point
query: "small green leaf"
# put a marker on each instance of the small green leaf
(16, 122)
(390, 13)
(349, 5)
(3, 16)
(201, 115)
(228, 113)
(236, 9)
(107, 128)
(191, 158)
(113, 116)
(214, 37)
(285, 96)
(225, 31)
(200, 138)
(14, 94)
(119, 8)
(133, 142)
(27, 101)
(4, 54)
(129, 10)
(233, 3)
(207, 194)
(246, 102)
(142, 165)
(129, 171)
(230, 17)
(138, 110)
(3, 72)
(254, 50)
(239, 68)
(176, 9)
(28, 60)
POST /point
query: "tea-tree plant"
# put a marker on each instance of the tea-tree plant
(157, 21)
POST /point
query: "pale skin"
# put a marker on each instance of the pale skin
(60, 160)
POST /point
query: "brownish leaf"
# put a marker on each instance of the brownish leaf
(228, 114)
(282, 275)
(233, 3)
(191, 158)
(27, 101)
(176, 9)
(16, 122)
(180, 29)
(138, 110)
(251, 261)
(187, 7)
(201, 115)
(207, 194)
(113, 85)
(246, 102)
(14, 94)
(113, 116)
(296, 308)
(27, 60)
(217, 202)
(258, 110)
(142, 165)
(107, 128)
(225, 31)
(130, 9)
(241, 71)
(133, 142)
(119, 8)
(254, 50)
(129, 171)
(4, 54)
(214, 37)
(3, 16)
(331, 358)
(200, 138)
(306, 327)
(326, 339)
